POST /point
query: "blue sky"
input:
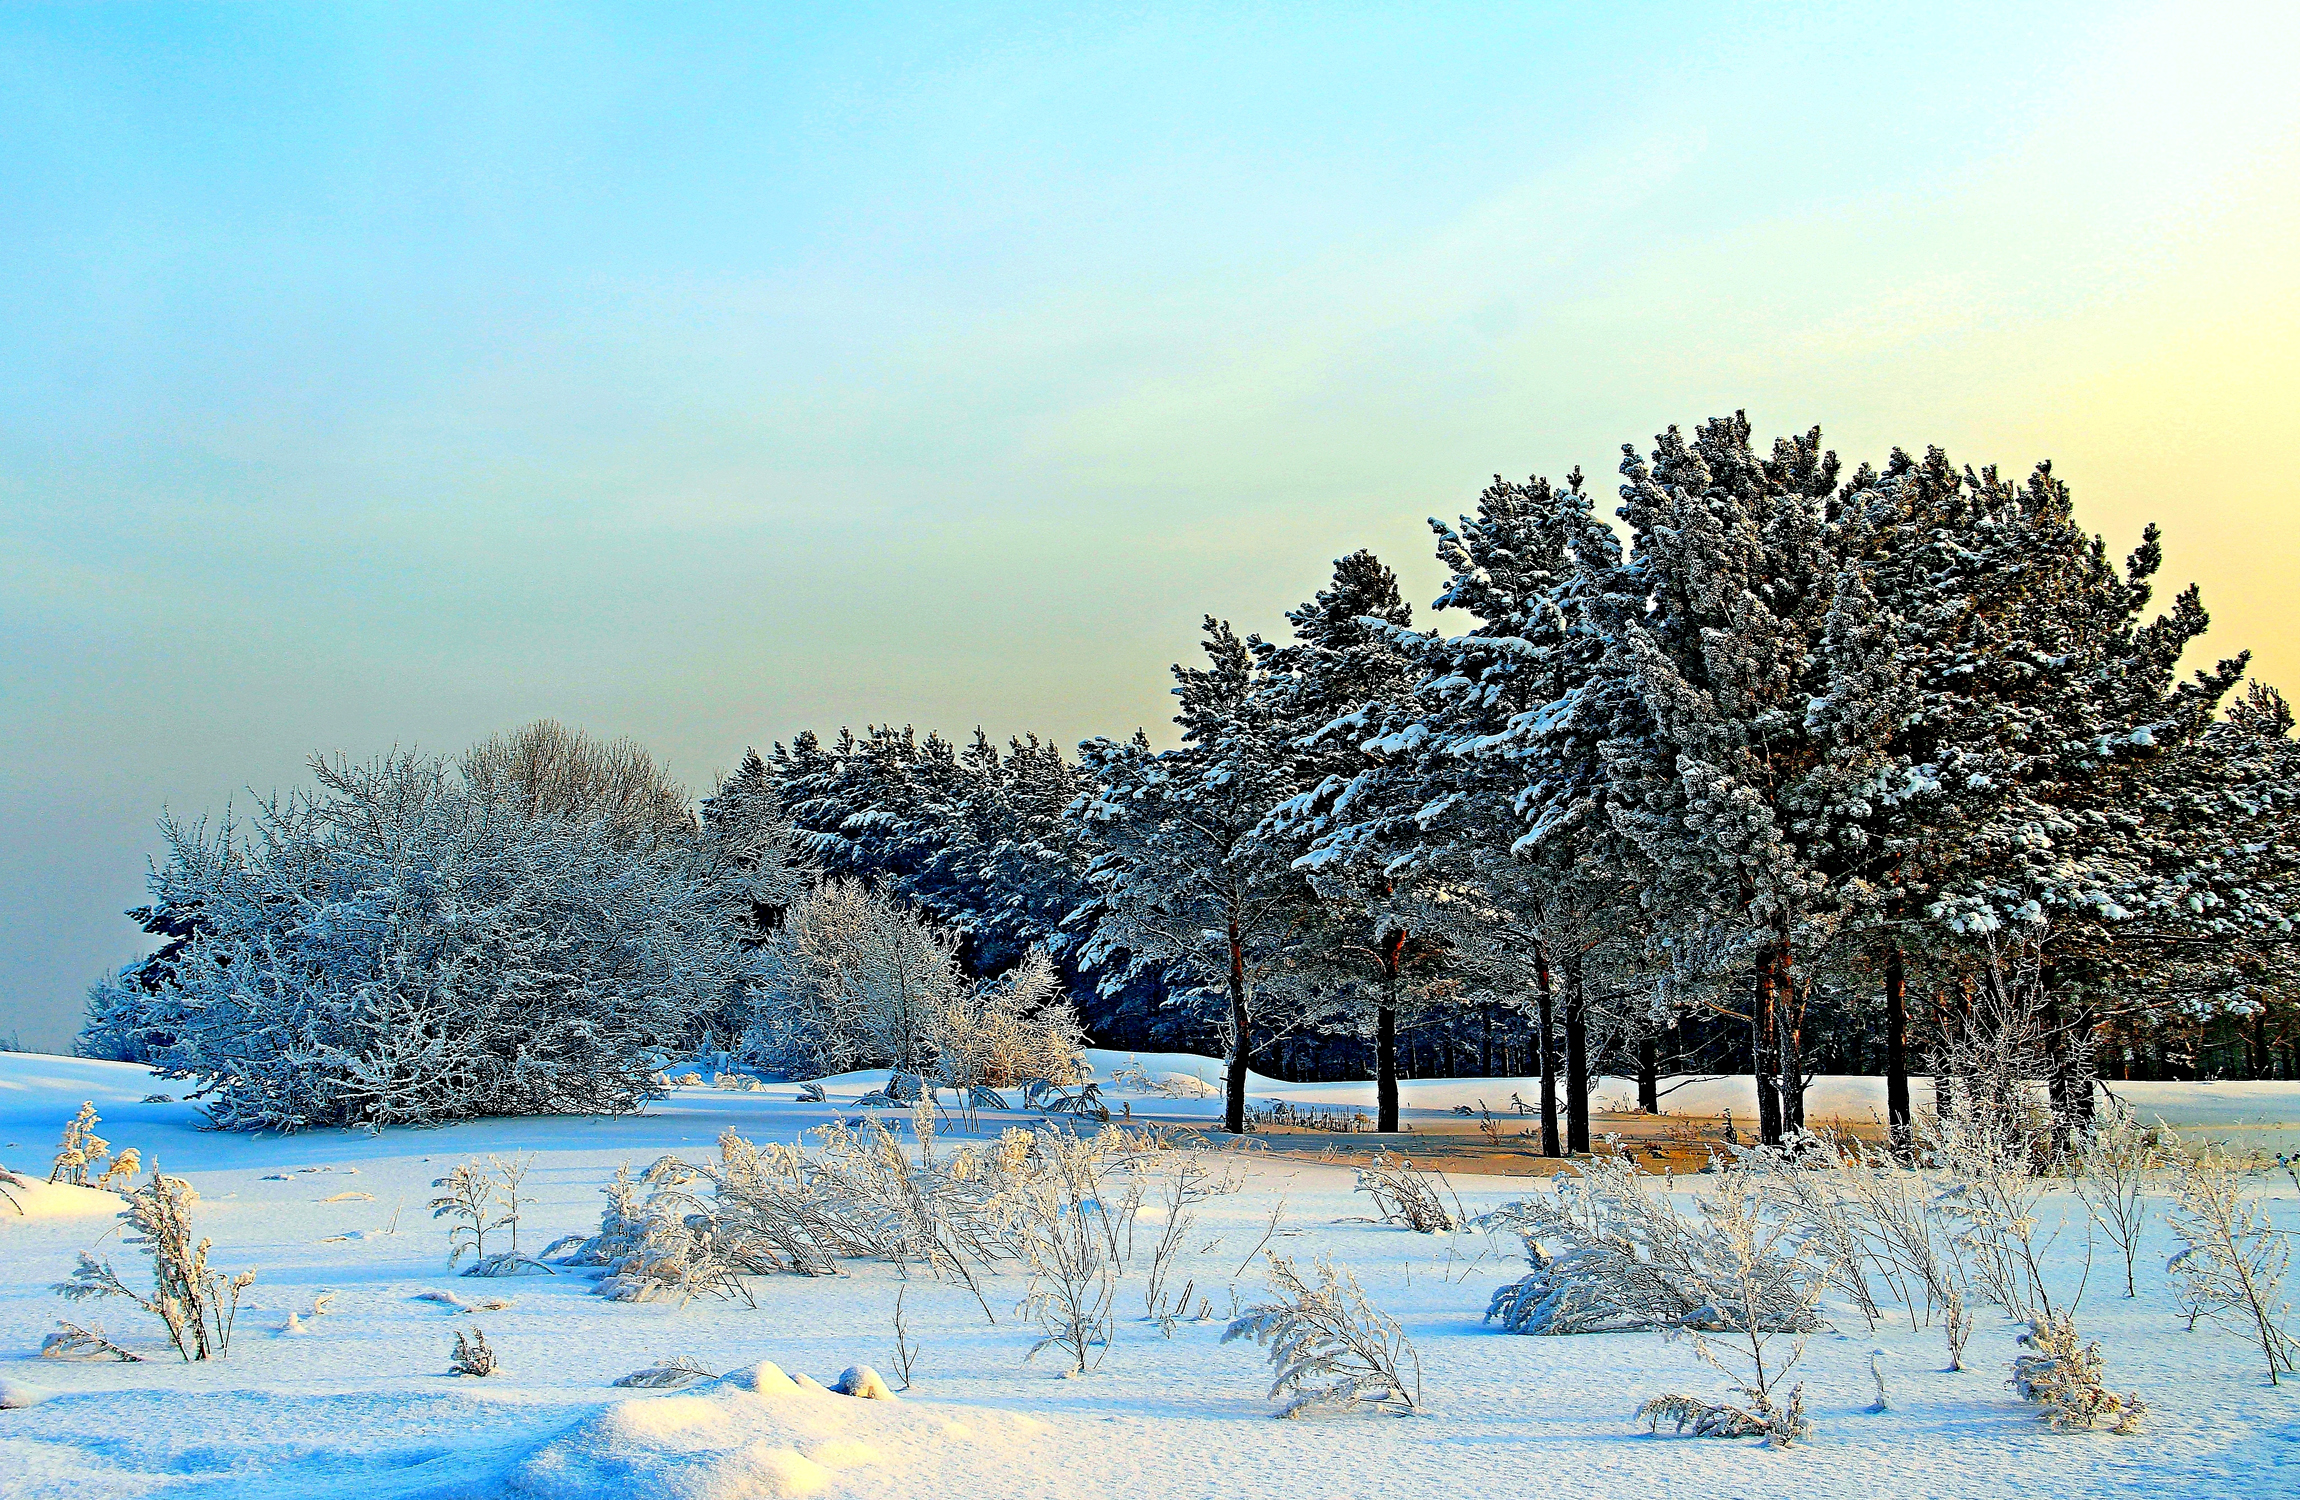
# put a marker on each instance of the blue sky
(396, 375)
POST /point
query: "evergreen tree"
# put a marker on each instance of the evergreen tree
(1181, 880)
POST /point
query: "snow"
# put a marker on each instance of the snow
(37, 1198)
(357, 1403)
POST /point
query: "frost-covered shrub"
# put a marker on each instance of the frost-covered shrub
(1331, 1348)
(1805, 1182)
(2230, 1268)
(404, 945)
(2064, 1377)
(1750, 1261)
(1008, 1031)
(1403, 1194)
(855, 979)
(1611, 1254)
(81, 1150)
(2110, 1166)
(1779, 1425)
(472, 1355)
(479, 1201)
(1992, 1157)
(697, 1228)
(199, 1306)
(851, 979)
(667, 1375)
(1065, 1228)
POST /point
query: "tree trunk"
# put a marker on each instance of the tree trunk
(1234, 1104)
(1576, 1060)
(1901, 1127)
(1392, 946)
(1547, 1042)
(1485, 1040)
(1649, 1075)
(1386, 1069)
(1789, 1028)
(1764, 1061)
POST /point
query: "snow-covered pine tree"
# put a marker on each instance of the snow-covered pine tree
(1482, 791)
(1180, 880)
(1343, 674)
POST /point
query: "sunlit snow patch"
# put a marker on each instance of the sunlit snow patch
(760, 1432)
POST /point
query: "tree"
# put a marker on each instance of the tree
(1180, 879)
(1344, 671)
(852, 979)
(405, 945)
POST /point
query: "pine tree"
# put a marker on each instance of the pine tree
(1180, 879)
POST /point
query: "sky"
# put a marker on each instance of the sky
(389, 376)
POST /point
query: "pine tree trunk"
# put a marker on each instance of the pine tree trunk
(1393, 946)
(1576, 1060)
(1234, 1105)
(1764, 1061)
(1901, 1127)
(1649, 1075)
(1485, 1040)
(2070, 1086)
(1547, 1042)
(1386, 1069)
(1789, 1028)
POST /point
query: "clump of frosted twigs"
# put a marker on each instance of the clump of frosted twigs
(1790, 1182)
(2109, 1169)
(1761, 1289)
(2230, 1268)
(1993, 1159)
(472, 1354)
(1611, 1253)
(684, 1229)
(1332, 1349)
(1778, 1425)
(71, 1341)
(1065, 1230)
(198, 1306)
(480, 1201)
(1403, 1194)
(81, 1154)
(2064, 1378)
(666, 1375)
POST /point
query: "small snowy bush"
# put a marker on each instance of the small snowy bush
(2064, 1377)
(2109, 1168)
(472, 1355)
(1403, 1194)
(82, 1153)
(667, 1375)
(199, 1306)
(1332, 1349)
(2230, 1268)
(1626, 1258)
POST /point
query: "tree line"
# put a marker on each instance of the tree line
(1783, 769)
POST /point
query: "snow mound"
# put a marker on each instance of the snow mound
(15, 1395)
(760, 1432)
(34, 1198)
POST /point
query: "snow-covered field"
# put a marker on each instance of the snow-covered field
(358, 1402)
